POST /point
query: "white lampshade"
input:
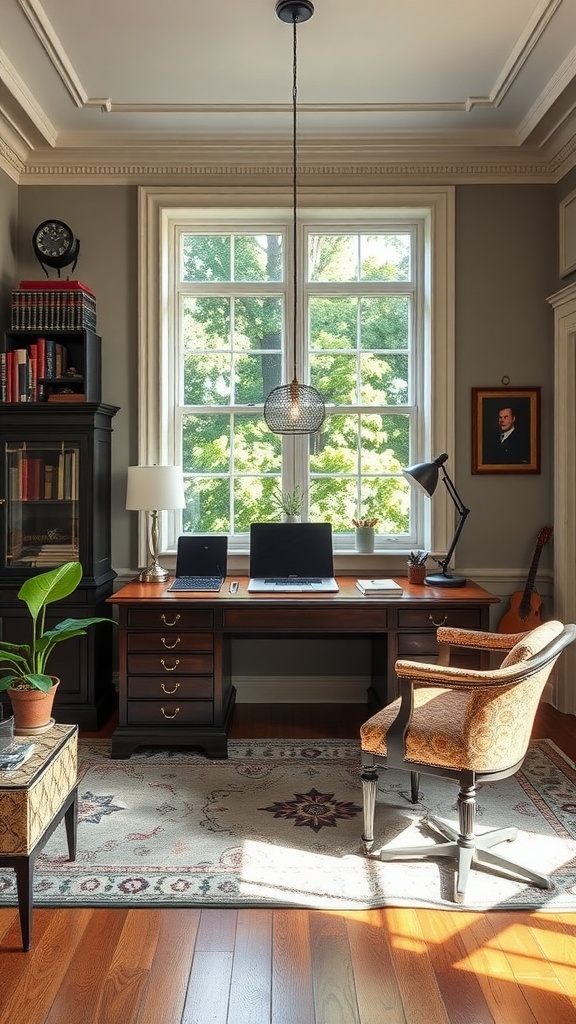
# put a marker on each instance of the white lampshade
(155, 487)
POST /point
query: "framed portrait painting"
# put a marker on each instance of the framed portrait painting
(506, 430)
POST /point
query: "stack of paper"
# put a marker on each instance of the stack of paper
(384, 587)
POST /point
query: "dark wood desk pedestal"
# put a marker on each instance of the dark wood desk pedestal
(175, 673)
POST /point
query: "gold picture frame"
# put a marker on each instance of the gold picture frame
(506, 430)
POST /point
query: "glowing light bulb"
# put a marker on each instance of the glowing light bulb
(295, 410)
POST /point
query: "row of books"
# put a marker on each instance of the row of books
(53, 305)
(44, 555)
(33, 478)
(24, 371)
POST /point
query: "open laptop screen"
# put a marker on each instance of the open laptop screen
(291, 549)
(201, 556)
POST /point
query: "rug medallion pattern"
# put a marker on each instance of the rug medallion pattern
(279, 824)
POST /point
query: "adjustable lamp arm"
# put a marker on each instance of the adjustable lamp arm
(462, 512)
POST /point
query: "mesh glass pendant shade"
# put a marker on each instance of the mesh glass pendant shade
(294, 408)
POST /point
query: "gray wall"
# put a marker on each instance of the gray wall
(506, 256)
(506, 266)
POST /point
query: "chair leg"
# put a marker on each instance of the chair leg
(468, 849)
(369, 791)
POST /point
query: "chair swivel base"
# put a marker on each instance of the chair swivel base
(467, 855)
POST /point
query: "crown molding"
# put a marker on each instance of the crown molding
(474, 158)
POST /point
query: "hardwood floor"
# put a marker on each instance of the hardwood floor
(392, 966)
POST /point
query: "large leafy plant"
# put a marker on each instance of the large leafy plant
(25, 664)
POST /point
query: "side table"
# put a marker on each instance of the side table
(33, 800)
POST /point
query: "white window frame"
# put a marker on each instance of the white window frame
(157, 207)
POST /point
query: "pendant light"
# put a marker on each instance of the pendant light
(294, 408)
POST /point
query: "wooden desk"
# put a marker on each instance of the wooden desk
(175, 674)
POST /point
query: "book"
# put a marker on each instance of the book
(387, 587)
(54, 286)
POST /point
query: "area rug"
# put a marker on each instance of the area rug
(278, 824)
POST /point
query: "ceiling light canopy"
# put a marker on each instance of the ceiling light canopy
(294, 408)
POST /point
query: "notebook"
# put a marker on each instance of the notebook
(291, 558)
(200, 563)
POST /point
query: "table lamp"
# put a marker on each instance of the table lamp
(425, 476)
(149, 489)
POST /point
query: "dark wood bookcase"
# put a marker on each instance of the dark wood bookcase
(82, 350)
(55, 491)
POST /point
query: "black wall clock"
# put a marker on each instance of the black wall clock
(55, 245)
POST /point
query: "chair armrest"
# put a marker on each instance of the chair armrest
(477, 639)
(452, 677)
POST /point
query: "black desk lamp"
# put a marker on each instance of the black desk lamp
(425, 475)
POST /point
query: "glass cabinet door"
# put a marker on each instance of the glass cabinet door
(42, 499)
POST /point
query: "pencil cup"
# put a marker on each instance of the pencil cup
(365, 539)
(416, 574)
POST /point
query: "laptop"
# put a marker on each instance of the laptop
(291, 558)
(200, 564)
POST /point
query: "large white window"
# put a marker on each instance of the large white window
(374, 336)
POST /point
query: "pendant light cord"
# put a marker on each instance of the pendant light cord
(294, 182)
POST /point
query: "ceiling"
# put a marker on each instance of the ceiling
(115, 86)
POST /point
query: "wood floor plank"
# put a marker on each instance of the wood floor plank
(332, 973)
(517, 941)
(556, 940)
(459, 987)
(121, 995)
(216, 931)
(80, 993)
(32, 982)
(377, 990)
(421, 997)
(503, 995)
(165, 994)
(250, 984)
(292, 992)
(208, 988)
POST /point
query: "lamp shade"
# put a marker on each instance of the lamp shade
(425, 475)
(155, 487)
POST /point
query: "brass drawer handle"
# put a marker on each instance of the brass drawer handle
(166, 715)
(165, 620)
(170, 692)
(170, 647)
(437, 624)
(169, 668)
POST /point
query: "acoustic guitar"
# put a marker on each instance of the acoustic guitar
(524, 612)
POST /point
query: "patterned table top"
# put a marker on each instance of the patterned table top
(46, 746)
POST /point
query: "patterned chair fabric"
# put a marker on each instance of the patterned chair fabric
(463, 724)
(465, 718)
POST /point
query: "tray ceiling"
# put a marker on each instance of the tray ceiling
(102, 82)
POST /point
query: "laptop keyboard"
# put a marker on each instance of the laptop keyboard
(205, 583)
(293, 581)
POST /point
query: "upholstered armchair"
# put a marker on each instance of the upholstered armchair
(469, 725)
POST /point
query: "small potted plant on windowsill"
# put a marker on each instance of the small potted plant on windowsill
(30, 688)
(290, 503)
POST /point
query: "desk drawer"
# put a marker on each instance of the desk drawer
(306, 619)
(155, 688)
(431, 618)
(177, 642)
(170, 664)
(170, 713)
(167, 617)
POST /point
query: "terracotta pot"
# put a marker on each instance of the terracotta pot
(32, 709)
(416, 574)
